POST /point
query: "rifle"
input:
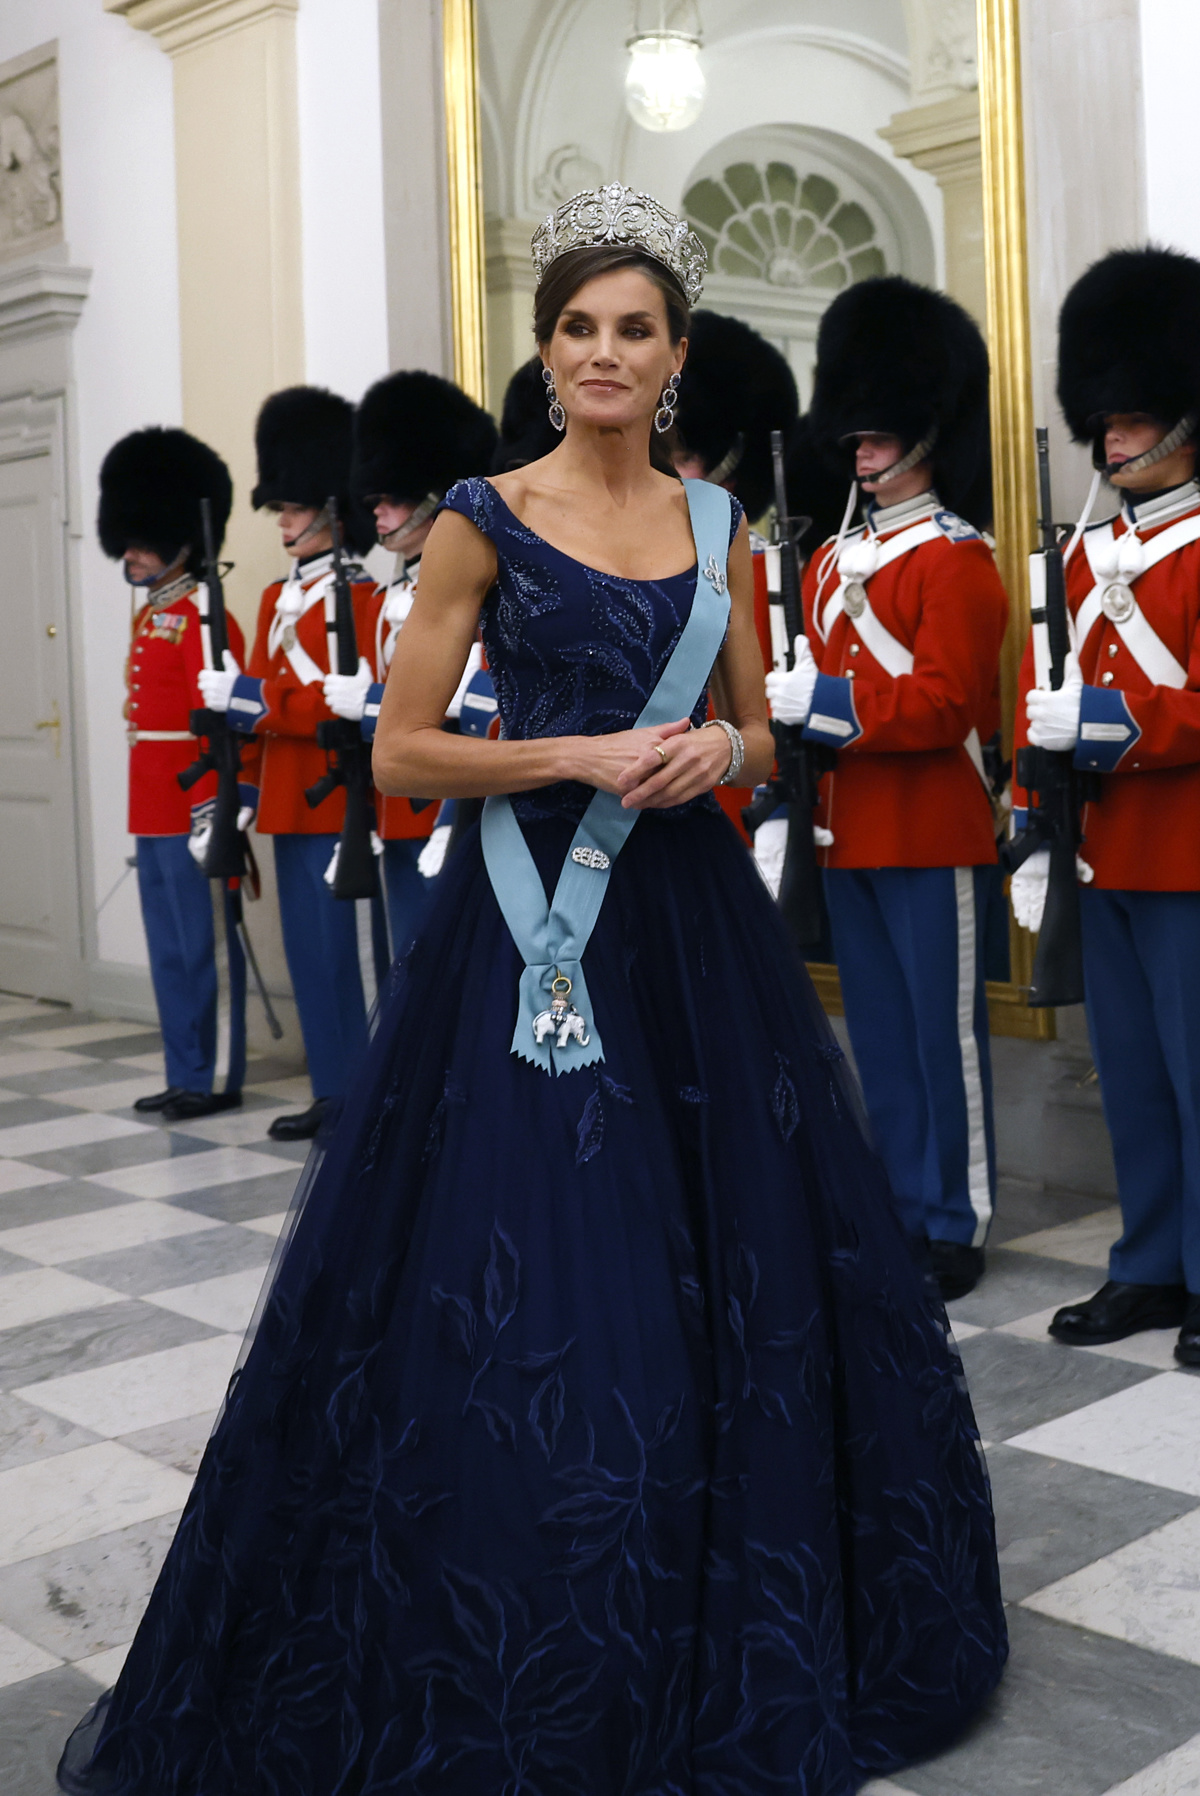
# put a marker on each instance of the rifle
(798, 764)
(347, 755)
(226, 855)
(229, 854)
(1050, 778)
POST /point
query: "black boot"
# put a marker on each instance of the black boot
(957, 1269)
(187, 1106)
(158, 1100)
(302, 1127)
(1117, 1311)
(1187, 1347)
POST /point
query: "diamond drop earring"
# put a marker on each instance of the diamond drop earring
(664, 417)
(557, 415)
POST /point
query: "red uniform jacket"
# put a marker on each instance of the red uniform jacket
(732, 798)
(1144, 739)
(165, 657)
(905, 791)
(281, 713)
(398, 822)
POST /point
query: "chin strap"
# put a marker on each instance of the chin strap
(729, 461)
(396, 539)
(1174, 439)
(917, 453)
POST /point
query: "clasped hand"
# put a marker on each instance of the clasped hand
(628, 764)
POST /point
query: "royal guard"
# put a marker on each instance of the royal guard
(151, 486)
(1129, 711)
(304, 441)
(736, 388)
(900, 674)
(415, 434)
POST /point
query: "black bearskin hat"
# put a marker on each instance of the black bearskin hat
(736, 389)
(896, 357)
(816, 489)
(526, 433)
(151, 485)
(1129, 340)
(304, 441)
(416, 434)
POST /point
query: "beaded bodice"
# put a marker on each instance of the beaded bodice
(573, 652)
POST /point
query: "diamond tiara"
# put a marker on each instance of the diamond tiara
(616, 214)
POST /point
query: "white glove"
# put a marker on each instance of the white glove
(790, 694)
(1054, 716)
(330, 874)
(346, 694)
(770, 847)
(198, 843)
(216, 687)
(431, 857)
(1030, 883)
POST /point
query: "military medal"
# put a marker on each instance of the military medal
(854, 598)
(1117, 602)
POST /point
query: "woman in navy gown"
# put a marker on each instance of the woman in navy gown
(598, 1434)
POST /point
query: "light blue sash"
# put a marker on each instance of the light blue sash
(555, 1026)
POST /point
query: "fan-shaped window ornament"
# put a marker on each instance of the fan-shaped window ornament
(772, 224)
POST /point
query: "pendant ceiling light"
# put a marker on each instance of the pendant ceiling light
(664, 83)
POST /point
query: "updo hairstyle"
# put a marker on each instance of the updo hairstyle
(569, 272)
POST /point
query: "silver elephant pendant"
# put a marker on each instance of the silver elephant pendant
(561, 1020)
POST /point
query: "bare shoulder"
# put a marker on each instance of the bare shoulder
(457, 548)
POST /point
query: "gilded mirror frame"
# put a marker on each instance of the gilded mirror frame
(1006, 254)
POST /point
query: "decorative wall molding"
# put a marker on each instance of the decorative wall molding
(40, 300)
(30, 168)
(942, 36)
(185, 24)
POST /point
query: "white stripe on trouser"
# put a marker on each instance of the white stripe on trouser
(978, 1184)
(366, 948)
(224, 1004)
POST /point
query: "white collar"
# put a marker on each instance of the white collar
(883, 519)
(1163, 508)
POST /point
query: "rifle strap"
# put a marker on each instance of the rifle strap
(551, 939)
(1148, 649)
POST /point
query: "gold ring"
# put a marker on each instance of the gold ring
(661, 752)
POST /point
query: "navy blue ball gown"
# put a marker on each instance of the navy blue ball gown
(598, 1435)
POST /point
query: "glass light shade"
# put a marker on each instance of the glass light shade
(664, 83)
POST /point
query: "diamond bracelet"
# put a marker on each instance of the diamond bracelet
(737, 749)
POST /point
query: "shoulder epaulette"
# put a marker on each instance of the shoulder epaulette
(954, 528)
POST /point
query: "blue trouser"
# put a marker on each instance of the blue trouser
(1141, 958)
(910, 956)
(406, 889)
(320, 940)
(177, 911)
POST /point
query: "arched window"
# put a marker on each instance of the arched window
(768, 222)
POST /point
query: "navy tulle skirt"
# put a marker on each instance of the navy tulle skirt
(599, 1435)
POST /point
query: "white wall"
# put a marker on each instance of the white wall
(119, 217)
(1170, 31)
(1085, 173)
(341, 188)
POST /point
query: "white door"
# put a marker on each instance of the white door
(40, 937)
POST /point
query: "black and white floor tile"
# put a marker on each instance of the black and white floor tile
(131, 1258)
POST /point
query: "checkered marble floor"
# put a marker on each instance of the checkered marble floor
(131, 1257)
